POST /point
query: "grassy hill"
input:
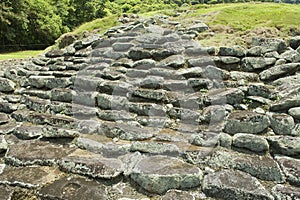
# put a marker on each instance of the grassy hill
(230, 24)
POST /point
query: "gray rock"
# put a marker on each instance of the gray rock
(146, 64)
(155, 148)
(270, 44)
(295, 42)
(150, 95)
(115, 115)
(199, 27)
(291, 56)
(194, 72)
(262, 167)
(256, 63)
(247, 76)
(122, 46)
(296, 130)
(222, 96)
(179, 194)
(282, 124)
(62, 94)
(291, 168)
(138, 54)
(285, 192)
(254, 51)
(152, 82)
(93, 165)
(175, 61)
(213, 72)
(278, 71)
(229, 184)
(246, 122)
(74, 188)
(158, 174)
(7, 85)
(285, 145)
(225, 140)
(111, 102)
(54, 53)
(295, 112)
(56, 132)
(28, 131)
(251, 142)
(261, 90)
(235, 51)
(202, 61)
(126, 132)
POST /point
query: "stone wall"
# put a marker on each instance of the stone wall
(145, 112)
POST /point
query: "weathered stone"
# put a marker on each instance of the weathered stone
(8, 107)
(286, 145)
(285, 192)
(155, 148)
(236, 51)
(270, 44)
(62, 94)
(126, 132)
(138, 54)
(213, 72)
(231, 184)
(36, 104)
(282, 124)
(122, 46)
(295, 112)
(290, 100)
(295, 42)
(279, 71)
(93, 165)
(262, 167)
(7, 85)
(156, 95)
(35, 152)
(56, 132)
(158, 174)
(113, 102)
(291, 168)
(175, 61)
(74, 187)
(199, 27)
(115, 115)
(260, 90)
(247, 76)
(147, 109)
(291, 56)
(225, 140)
(28, 177)
(251, 142)
(54, 53)
(246, 122)
(4, 118)
(254, 51)
(224, 95)
(28, 131)
(182, 195)
(194, 72)
(202, 61)
(256, 63)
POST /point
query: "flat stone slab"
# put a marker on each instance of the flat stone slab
(93, 165)
(3, 118)
(158, 174)
(70, 188)
(251, 142)
(286, 192)
(262, 167)
(33, 152)
(291, 168)
(7, 85)
(229, 184)
(246, 122)
(28, 131)
(28, 177)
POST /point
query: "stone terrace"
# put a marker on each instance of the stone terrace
(145, 112)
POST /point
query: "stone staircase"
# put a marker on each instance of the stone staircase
(144, 112)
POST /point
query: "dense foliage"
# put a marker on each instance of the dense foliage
(35, 24)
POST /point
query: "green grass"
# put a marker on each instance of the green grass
(20, 54)
(98, 25)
